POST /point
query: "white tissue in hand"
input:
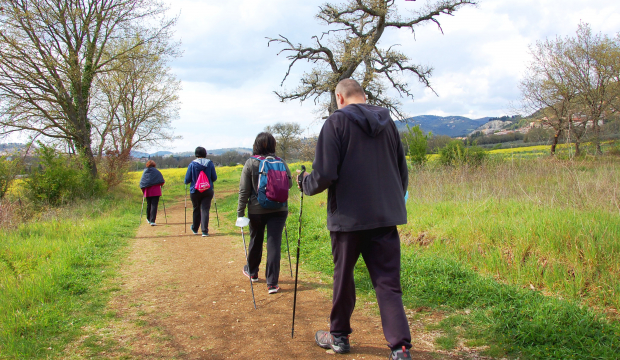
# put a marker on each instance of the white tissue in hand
(242, 222)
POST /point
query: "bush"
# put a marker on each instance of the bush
(416, 143)
(455, 153)
(60, 179)
(113, 167)
(9, 169)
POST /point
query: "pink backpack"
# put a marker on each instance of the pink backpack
(202, 183)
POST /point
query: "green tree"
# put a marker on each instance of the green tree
(287, 137)
(417, 144)
(9, 169)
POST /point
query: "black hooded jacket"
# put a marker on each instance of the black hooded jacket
(361, 161)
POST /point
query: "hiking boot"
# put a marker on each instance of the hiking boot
(192, 229)
(340, 344)
(254, 278)
(205, 234)
(400, 354)
(272, 289)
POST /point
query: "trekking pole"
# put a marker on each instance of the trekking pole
(288, 250)
(185, 208)
(143, 197)
(164, 202)
(217, 215)
(241, 222)
(301, 206)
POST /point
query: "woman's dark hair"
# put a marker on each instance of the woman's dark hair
(151, 163)
(265, 144)
(201, 152)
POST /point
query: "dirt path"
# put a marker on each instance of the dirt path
(184, 297)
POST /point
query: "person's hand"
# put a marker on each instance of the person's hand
(297, 178)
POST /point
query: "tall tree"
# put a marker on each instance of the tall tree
(135, 103)
(546, 89)
(287, 137)
(352, 50)
(51, 51)
(591, 61)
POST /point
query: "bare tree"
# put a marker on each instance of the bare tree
(591, 59)
(135, 103)
(52, 51)
(352, 51)
(287, 137)
(546, 89)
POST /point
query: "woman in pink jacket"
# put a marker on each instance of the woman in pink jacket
(151, 183)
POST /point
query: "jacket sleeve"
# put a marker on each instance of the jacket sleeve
(188, 174)
(402, 164)
(213, 174)
(245, 187)
(326, 160)
(290, 177)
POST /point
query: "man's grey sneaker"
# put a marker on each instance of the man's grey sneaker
(339, 344)
(272, 289)
(400, 354)
(194, 231)
(254, 278)
(205, 234)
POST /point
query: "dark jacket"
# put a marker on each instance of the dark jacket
(194, 169)
(361, 161)
(151, 177)
(248, 185)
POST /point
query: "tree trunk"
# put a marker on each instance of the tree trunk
(597, 136)
(333, 105)
(556, 137)
(577, 149)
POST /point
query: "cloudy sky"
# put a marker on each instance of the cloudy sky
(229, 73)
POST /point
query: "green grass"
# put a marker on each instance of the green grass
(52, 275)
(488, 234)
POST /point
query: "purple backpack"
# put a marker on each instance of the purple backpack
(273, 182)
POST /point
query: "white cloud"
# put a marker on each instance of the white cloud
(229, 74)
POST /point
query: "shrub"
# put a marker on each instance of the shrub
(60, 179)
(9, 169)
(416, 143)
(113, 167)
(455, 153)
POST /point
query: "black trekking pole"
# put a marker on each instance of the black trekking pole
(142, 209)
(185, 208)
(164, 202)
(217, 215)
(301, 206)
(241, 222)
(288, 251)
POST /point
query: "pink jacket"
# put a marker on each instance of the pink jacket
(154, 190)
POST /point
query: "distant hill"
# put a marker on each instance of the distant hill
(444, 125)
(139, 154)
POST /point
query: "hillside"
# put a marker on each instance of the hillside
(444, 125)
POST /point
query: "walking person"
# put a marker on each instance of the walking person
(361, 162)
(201, 200)
(265, 210)
(151, 183)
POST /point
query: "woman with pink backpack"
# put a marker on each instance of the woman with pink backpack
(201, 176)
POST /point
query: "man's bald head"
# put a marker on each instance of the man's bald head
(350, 88)
(349, 91)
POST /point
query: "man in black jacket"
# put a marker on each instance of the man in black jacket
(361, 162)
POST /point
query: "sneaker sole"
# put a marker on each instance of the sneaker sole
(273, 291)
(341, 350)
(203, 235)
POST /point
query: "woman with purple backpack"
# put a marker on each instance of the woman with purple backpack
(267, 207)
(201, 176)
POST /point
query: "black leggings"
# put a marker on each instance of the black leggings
(202, 205)
(275, 224)
(151, 208)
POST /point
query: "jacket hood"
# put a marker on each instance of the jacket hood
(202, 161)
(372, 119)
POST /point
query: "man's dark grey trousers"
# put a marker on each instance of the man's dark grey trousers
(380, 249)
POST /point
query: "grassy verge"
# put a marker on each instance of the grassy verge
(51, 273)
(477, 239)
